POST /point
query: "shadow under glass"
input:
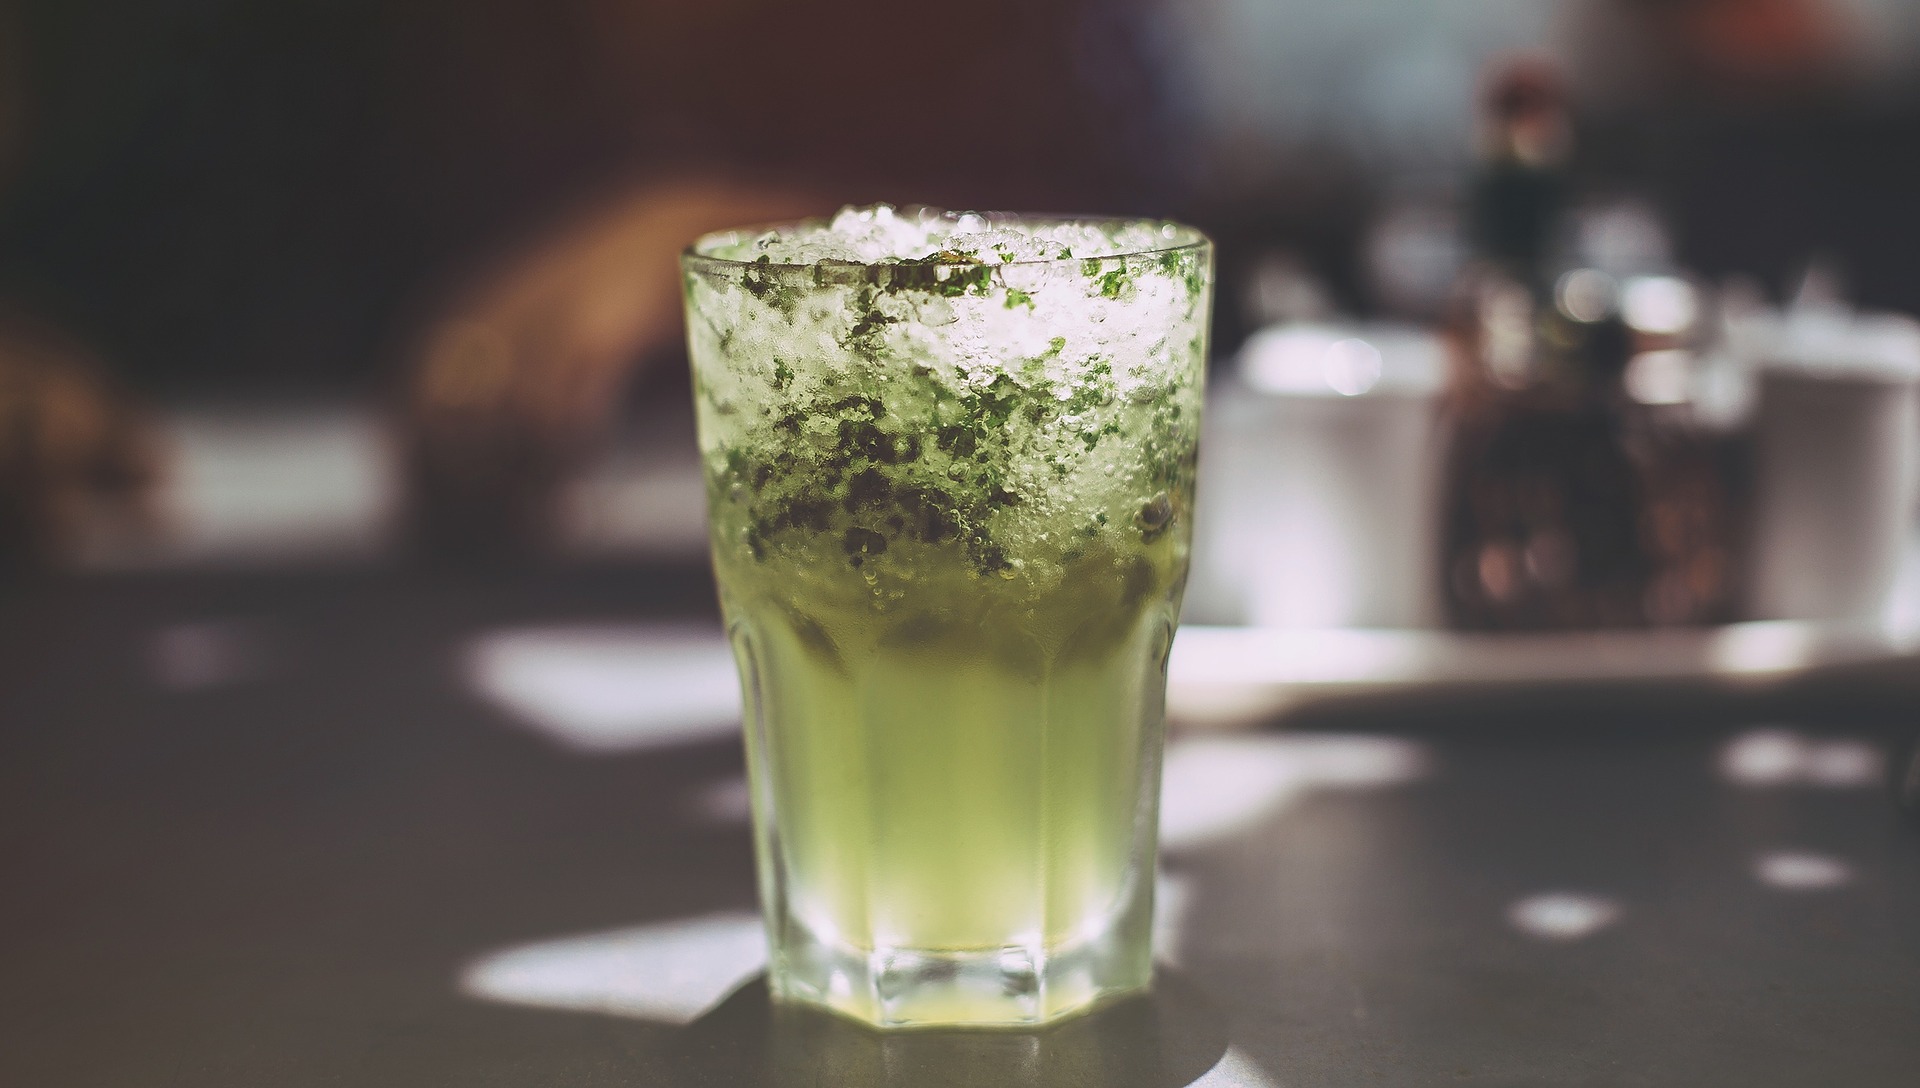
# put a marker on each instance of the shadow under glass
(1167, 1038)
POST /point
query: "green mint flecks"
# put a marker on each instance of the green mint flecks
(1111, 276)
(887, 435)
(948, 273)
(861, 472)
(764, 282)
(867, 336)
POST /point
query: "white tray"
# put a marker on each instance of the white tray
(1225, 675)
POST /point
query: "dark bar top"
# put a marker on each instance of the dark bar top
(268, 830)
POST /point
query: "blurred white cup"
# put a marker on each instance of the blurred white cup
(1320, 481)
(1837, 463)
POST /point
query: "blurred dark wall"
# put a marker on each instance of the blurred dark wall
(1772, 133)
(233, 195)
(228, 195)
(1764, 193)
(199, 187)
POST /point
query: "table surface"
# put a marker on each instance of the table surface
(266, 829)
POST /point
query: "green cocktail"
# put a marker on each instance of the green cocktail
(950, 464)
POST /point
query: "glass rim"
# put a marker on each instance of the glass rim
(1178, 238)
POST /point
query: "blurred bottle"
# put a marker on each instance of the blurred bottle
(1579, 491)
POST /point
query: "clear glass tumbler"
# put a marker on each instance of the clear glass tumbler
(950, 484)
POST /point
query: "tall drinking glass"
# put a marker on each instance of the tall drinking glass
(950, 464)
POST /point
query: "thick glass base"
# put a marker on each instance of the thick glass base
(1011, 987)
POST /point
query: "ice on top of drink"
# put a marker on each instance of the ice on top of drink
(1023, 391)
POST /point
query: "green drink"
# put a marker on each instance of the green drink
(950, 474)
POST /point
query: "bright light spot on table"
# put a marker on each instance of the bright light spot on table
(611, 689)
(669, 971)
(1562, 916)
(1797, 872)
(1217, 786)
(1172, 901)
(1783, 757)
(1765, 757)
(1235, 1070)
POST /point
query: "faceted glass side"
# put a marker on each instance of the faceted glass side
(950, 505)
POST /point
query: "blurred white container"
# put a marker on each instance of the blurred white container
(1837, 462)
(1320, 481)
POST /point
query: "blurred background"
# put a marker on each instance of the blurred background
(349, 283)
(1555, 340)
(358, 649)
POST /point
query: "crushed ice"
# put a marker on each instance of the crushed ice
(881, 233)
